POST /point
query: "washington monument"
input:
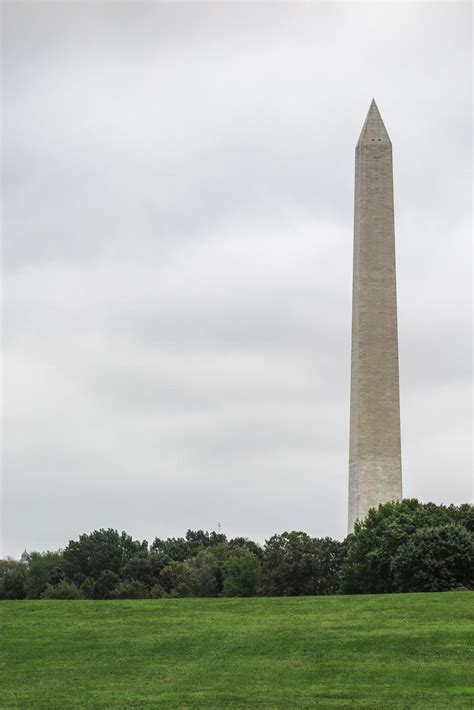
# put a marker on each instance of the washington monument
(375, 472)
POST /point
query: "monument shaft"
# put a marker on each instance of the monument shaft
(375, 454)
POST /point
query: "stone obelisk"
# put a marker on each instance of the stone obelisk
(375, 473)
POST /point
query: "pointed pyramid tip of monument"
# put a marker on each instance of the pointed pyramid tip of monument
(373, 130)
(373, 106)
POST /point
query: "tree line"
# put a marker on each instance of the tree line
(399, 547)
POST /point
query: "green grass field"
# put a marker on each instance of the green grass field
(390, 651)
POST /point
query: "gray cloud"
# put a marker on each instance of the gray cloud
(177, 219)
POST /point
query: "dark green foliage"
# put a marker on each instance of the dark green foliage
(287, 565)
(242, 570)
(198, 539)
(12, 586)
(100, 550)
(206, 568)
(87, 588)
(400, 547)
(435, 559)
(180, 548)
(7, 565)
(104, 585)
(157, 592)
(252, 546)
(328, 557)
(194, 565)
(131, 589)
(385, 548)
(178, 579)
(217, 538)
(12, 580)
(175, 549)
(44, 568)
(294, 564)
(62, 590)
(144, 567)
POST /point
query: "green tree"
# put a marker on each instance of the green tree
(175, 549)
(43, 568)
(179, 549)
(198, 539)
(178, 579)
(145, 567)
(12, 580)
(157, 592)
(216, 538)
(7, 565)
(98, 551)
(328, 558)
(379, 549)
(242, 570)
(206, 569)
(87, 588)
(104, 584)
(288, 568)
(295, 564)
(252, 546)
(62, 590)
(435, 560)
(131, 589)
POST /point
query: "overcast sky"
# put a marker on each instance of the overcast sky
(177, 260)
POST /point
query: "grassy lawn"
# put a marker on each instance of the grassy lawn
(390, 651)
